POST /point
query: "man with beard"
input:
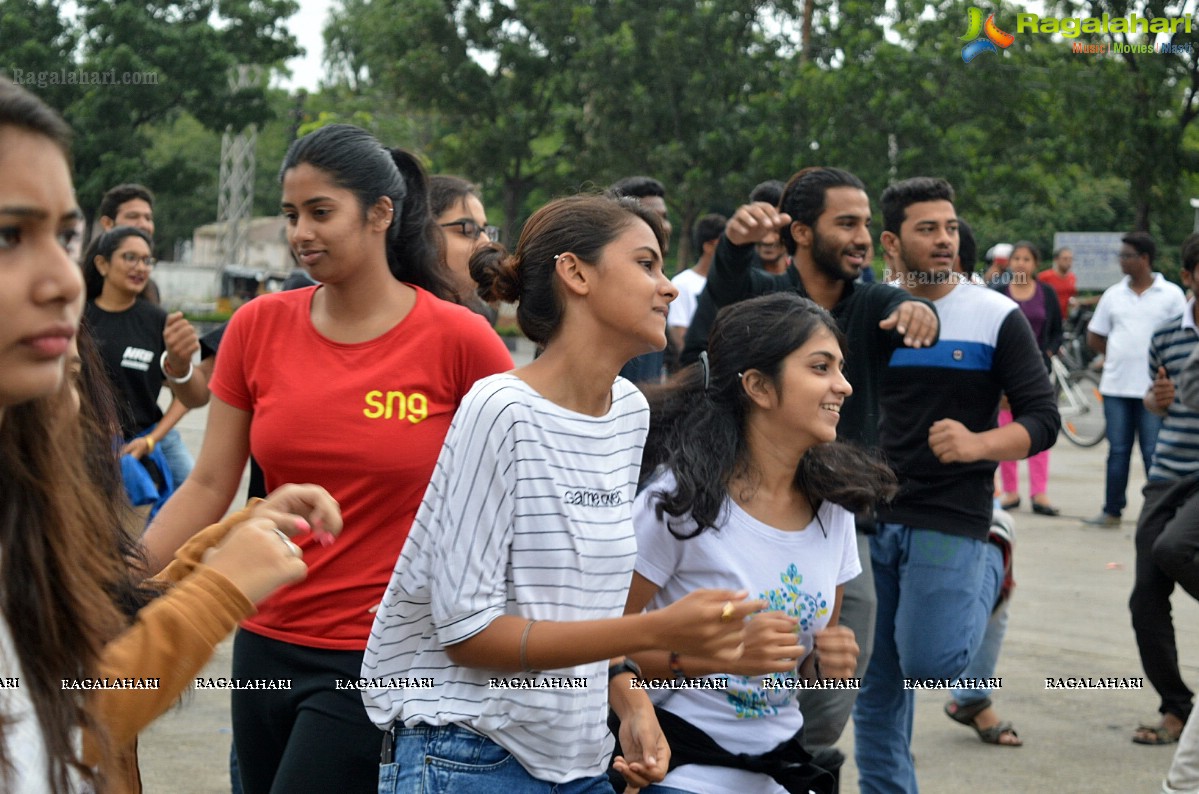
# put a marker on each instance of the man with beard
(936, 576)
(824, 221)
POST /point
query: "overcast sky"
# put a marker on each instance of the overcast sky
(306, 26)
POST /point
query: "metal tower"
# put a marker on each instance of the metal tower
(235, 197)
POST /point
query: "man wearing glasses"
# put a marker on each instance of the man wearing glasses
(1125, 319)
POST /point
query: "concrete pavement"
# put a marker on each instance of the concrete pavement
(1069, 618)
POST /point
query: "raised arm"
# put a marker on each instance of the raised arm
(188, 383)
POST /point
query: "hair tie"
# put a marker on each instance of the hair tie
(706, 368)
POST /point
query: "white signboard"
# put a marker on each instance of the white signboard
(1096, 257)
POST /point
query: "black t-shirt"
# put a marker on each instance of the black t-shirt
(131, 346)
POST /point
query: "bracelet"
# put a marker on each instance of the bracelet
(676, 668)
(149, 443)
(162, 364)
(524, 648)
(627, 666)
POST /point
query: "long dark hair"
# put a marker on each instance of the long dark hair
(697, 420)
(101, 430)
(583, 225)
(106, 245)
(354, 160)
(56, 577)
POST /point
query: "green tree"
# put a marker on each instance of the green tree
(685, 91)
(35, 41)
(535, 97)
(1158, 99)
(497, 125)
(167, 58)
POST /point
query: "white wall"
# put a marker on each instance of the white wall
(181, 284)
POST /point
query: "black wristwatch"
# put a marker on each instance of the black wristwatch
(627, 666)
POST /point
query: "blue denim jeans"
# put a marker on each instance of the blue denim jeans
(454, 760)
(1126, 418)
(935, 594)
(987, 658)
(177, 455)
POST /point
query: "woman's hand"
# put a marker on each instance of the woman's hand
(838, 652)
(297, 509)
(257, 559)
(708, 623)
(646, 755)
(138, 447)
(771, 645)
(182, 343)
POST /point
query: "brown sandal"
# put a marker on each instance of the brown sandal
(966, 714)
(1154, 735)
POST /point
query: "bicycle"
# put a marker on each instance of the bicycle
(1079, 403)
(1076, 384)
(1075, 354)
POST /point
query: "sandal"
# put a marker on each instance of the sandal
(1154, 734)
(966, 715)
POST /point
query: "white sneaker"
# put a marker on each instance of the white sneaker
(1168, 789)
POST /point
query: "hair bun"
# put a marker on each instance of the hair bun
(497, 273)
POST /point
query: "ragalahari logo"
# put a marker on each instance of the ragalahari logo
(983, 37)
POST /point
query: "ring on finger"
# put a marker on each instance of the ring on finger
(726, 612)
(292, 547)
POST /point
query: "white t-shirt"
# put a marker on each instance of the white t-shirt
(795, 572)
(528, 513)
(25, 746)
(1128, 320)
(689, 284)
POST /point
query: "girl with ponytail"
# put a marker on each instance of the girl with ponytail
(746, 488)
(351, 385)
(500, 645)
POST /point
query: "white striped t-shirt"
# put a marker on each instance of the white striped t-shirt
(529, 513)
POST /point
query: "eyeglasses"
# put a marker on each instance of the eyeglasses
(1127, 255)
(131, 259)
(468, 228)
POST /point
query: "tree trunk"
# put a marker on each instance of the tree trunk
(805, 36)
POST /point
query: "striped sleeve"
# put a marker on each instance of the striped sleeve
(472, 519)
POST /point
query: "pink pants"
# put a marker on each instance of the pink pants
(1038, 468)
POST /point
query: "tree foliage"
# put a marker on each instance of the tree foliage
(536, 98)
(712, 96)
(127, 72)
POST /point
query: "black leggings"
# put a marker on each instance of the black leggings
(311, 738)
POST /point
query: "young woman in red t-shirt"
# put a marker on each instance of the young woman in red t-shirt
(351, 385)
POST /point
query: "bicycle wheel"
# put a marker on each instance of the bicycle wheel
(1081, 407)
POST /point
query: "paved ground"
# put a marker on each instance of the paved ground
(1069, 618)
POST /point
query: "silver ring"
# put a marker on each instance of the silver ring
(293, 548)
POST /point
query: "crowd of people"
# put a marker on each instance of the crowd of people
(754, 485)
